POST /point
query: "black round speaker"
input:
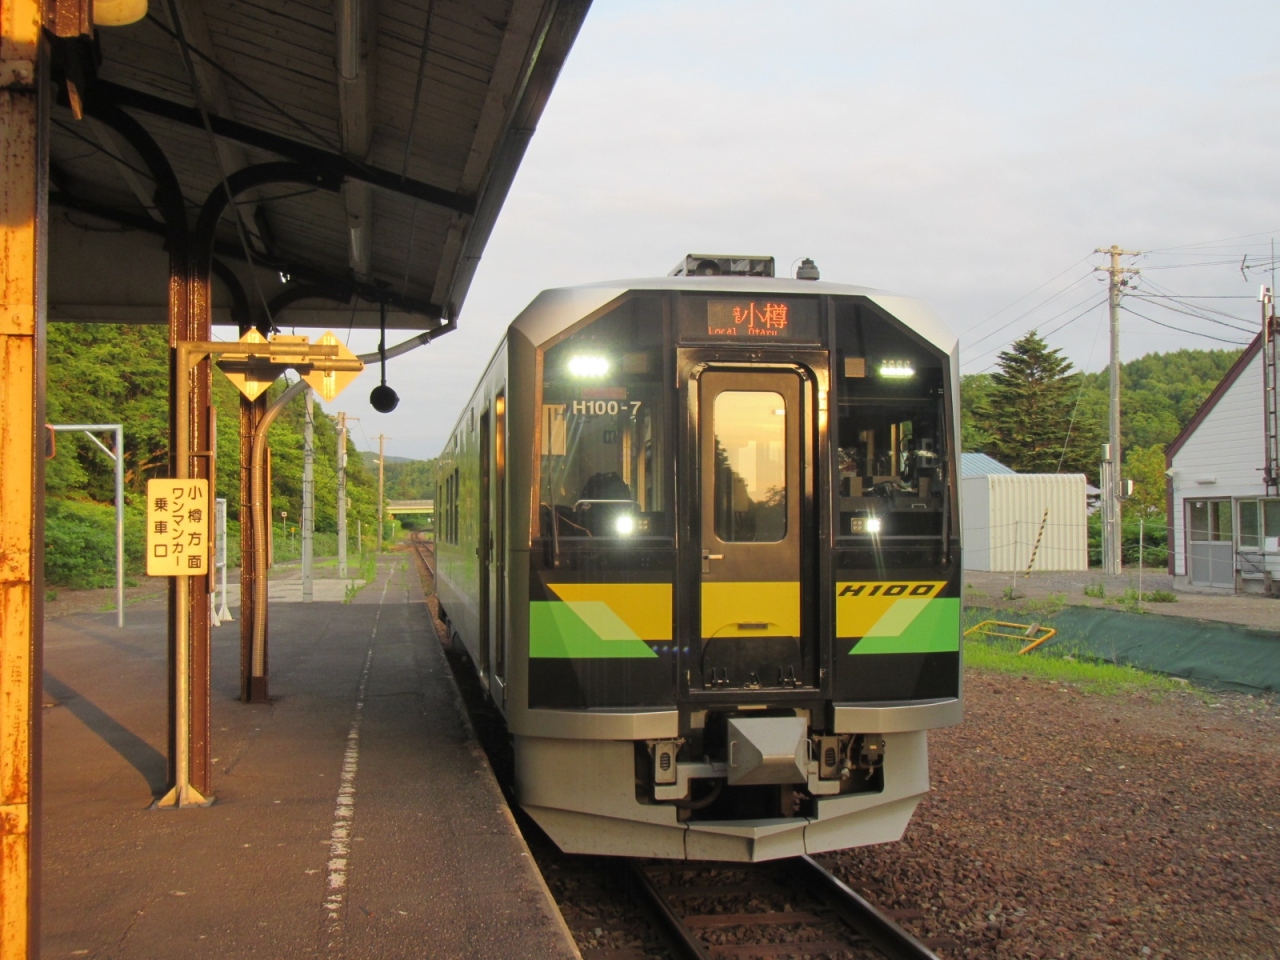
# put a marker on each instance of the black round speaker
(384, 399)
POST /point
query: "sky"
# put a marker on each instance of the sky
(973, 154)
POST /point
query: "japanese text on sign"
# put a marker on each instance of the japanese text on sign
(725, 319)
(177, 528)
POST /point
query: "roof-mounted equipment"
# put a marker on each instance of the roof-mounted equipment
(722, 265)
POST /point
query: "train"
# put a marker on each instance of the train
(698, 535)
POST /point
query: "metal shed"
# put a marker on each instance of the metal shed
(1013, 521)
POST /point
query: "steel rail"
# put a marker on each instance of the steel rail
(681, 937)
(862, 918)
(887, 937)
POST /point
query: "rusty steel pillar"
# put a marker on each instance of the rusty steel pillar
(172, 208)
(24, 126)
(198, 326)
(253, 682)
(252, 690)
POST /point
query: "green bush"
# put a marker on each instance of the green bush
(80, 543)
(1155, 547)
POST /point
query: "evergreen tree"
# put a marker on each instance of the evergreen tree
(1028, 409)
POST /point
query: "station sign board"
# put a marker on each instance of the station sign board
(177, 528)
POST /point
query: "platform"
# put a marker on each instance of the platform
(432, 864)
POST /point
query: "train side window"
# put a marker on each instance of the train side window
(889, 434)
(603, 462)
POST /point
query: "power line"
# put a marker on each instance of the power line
(1194, 333)
(1198, 316)
(1026, 313)
(1205, 243)
(1027, 294)
(1162, 290)
(1095, 303)
(1082, 313)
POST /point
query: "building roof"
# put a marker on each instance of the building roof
(1211, 401)
(410, 118)
(981, 465)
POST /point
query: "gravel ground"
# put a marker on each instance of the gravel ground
(1065, 825)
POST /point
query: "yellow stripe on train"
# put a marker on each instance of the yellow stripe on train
(860, 605)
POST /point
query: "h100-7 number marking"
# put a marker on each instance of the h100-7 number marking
(604, 408)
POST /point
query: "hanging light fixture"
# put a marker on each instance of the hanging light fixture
(383, 398)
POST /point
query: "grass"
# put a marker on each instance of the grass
(1046, 606)
(368, 572)
(1095, 590)
(1106, 679)
(1063, 663)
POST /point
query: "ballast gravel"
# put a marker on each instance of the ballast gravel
(1071, 825)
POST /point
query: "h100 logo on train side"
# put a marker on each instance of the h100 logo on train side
(915, 589)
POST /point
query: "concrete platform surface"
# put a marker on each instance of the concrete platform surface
(355, 816)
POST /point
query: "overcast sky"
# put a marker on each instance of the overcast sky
(969, 152)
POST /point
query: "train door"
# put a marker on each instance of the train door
(497, 564)
(753, 454)
(484, 549)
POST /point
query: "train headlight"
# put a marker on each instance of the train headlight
(897, 369)
(873, 525)
(625, 525)
(587, 366)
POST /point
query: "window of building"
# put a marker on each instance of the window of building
(1209, 520)
(1259, 525)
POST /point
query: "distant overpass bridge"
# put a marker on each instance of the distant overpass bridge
(407, 508)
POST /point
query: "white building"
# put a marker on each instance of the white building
(1012, 521)
(1224, 527)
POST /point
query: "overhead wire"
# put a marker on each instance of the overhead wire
(103, 150)
(1009, 306)
(1191, 313)
(1079, 394)
(1194, 333)
(1202, 243)
(1082, 313)
(1198, 310)
(1091, 297)
(1028, 312)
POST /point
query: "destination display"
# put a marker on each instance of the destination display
(758, 319)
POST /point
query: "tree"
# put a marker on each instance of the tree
(107, 373)
(1030, 413)
(1145, 467)
(974, 391)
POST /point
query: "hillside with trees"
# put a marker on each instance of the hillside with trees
(106, 373)
(403, 478)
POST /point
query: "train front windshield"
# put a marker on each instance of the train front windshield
(890, 435)
(604, 462)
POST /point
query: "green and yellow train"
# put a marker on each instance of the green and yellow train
(699, 535)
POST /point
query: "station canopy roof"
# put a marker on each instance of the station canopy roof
(413, 116)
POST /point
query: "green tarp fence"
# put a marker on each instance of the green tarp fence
(1206, 651)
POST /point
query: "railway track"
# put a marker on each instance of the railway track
(649, 909)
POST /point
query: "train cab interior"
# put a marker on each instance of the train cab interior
(603, 449)
(889, 430)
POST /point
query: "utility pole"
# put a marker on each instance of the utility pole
(342, 494)
(1111, 487)
(382, 503)
(308, 495)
